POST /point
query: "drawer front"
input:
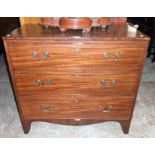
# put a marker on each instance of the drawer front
(110, 83)
(64, 56)
(84, 109)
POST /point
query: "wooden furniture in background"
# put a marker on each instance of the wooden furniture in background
(73, 78)
(29, 20)
(36, 20)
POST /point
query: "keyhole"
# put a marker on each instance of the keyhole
(76, 101)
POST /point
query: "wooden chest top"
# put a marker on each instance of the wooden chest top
(111, 33)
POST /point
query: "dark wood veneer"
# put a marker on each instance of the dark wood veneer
(83, 78)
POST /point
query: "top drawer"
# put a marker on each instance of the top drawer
(75, 56)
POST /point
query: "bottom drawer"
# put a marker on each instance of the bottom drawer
(111, 109)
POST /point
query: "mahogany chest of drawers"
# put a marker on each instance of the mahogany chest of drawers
(73, 78)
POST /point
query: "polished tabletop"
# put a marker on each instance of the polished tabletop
(112, 32)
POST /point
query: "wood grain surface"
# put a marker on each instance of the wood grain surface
(75, 79)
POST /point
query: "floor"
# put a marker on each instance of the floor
(142, 125)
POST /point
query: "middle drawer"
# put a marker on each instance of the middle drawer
(107, 83)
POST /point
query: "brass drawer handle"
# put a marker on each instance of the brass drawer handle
(46, 54)
(39, 82)
(106, 55)
(103, 82)
(101, 108)
(48, 108)
(49, 82)
(117, 55)
(34, 54)
(114, 82)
